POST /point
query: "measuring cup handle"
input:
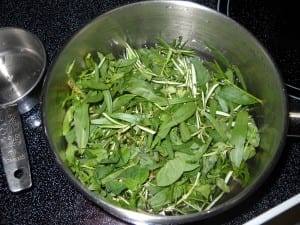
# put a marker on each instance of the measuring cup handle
(13, 150)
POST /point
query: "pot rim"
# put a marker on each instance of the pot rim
(141, 218)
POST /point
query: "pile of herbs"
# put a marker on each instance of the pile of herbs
(158, 129)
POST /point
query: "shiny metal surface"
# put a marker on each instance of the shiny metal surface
(139, 24)
(13, 150)
(22, 63)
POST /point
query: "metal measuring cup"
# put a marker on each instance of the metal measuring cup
(22, 64)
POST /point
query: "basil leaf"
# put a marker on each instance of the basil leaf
(208, 163)
(170, 172)
(116, 187)
(134, 176)
(184, 132)
(161, 198)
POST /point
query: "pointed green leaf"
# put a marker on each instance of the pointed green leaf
(238, 138)
(220, 128)
(202, 73)
(108, 100)
(237, 95)
(82, 125)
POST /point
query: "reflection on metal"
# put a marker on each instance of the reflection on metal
(293, 91)
(22, 63)
(276, 215)
(223, 4)
(4, 71)
(295, 115)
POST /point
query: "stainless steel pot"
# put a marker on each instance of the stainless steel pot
(141, 23)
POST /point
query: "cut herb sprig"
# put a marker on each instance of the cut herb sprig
(159, 130)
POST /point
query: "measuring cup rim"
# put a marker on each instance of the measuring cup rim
(43, 57)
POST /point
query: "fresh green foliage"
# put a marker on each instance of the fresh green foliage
(158, 129)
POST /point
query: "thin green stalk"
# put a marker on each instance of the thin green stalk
(185, 196)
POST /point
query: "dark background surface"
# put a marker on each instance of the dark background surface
(52, 198)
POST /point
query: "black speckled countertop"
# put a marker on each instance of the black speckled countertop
(53, 199)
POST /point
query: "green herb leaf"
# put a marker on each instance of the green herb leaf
(159, 129)
(147, 94)
(184, 132)
(68, 120)
(235, 94)
(116, 187)
(238, 138)
(94, 85)
(220, 128)
(134, 176)
(170, 172)
(82, 125)
(222, 185)
(161, 199)
(121, 101)
(131, 118)
(108, 100)
(219, 55)
(202, 73)
(70, 153)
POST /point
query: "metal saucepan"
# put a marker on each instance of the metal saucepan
(143, 22)
(22, 64)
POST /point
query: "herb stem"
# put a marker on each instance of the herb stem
(215, 201)
(178, 67)
(185, 196)
(170, 51)
(137, 126)
(210, 93)
(193, 81)
(113, 120)
(227, 178)
(167, 82)
(148, 130)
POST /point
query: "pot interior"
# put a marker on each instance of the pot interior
(140, 24)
